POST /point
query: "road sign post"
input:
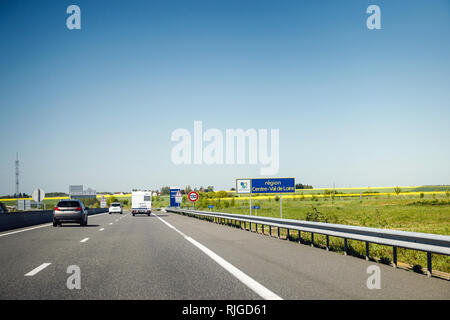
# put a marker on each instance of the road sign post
(174, 193)
(38, 195)
(103, 202)
(266, 185)
(193, 197)
(178, 198)
(281, 206)
(256, 209)
(244, 186)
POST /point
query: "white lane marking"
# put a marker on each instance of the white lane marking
(96, 215)
(258, 288)
(41, 226)
(110, 223)
(117, 220)
(101, 229)
(36, 270)
(84, 240)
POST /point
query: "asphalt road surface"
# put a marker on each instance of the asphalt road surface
(168, 256)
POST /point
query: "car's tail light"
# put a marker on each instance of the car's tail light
(57, 209)
(79, 209)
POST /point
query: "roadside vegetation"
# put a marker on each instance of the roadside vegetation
(429, 213)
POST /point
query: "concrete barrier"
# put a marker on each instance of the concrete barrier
(15, 220)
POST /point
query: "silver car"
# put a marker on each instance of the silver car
(70, 211)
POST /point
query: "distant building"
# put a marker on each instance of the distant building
(77, 192)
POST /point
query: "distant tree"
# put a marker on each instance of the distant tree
(302, 186)
(165, 190)
(111, 200)
(397, 190)
(56, 194)
(90, 202)
(221, 194)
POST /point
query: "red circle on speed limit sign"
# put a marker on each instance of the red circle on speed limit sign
(193, 196)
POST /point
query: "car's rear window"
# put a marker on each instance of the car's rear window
(115, 204)
(68, 204)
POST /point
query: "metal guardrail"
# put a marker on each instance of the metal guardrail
(429, 243)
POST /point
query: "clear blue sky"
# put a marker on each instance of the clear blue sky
(97, 106)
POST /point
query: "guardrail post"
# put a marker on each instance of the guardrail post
(394, 256)
(299, 236)
(270, 230)
(429, 266)
(288, 234)
(367, 250)
(345, 246)
(328, 243)
(312, 239)
(263, 229)
(250, 226)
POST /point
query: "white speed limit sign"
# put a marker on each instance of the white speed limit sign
(193, 196)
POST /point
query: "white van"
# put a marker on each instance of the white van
(141, 202)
